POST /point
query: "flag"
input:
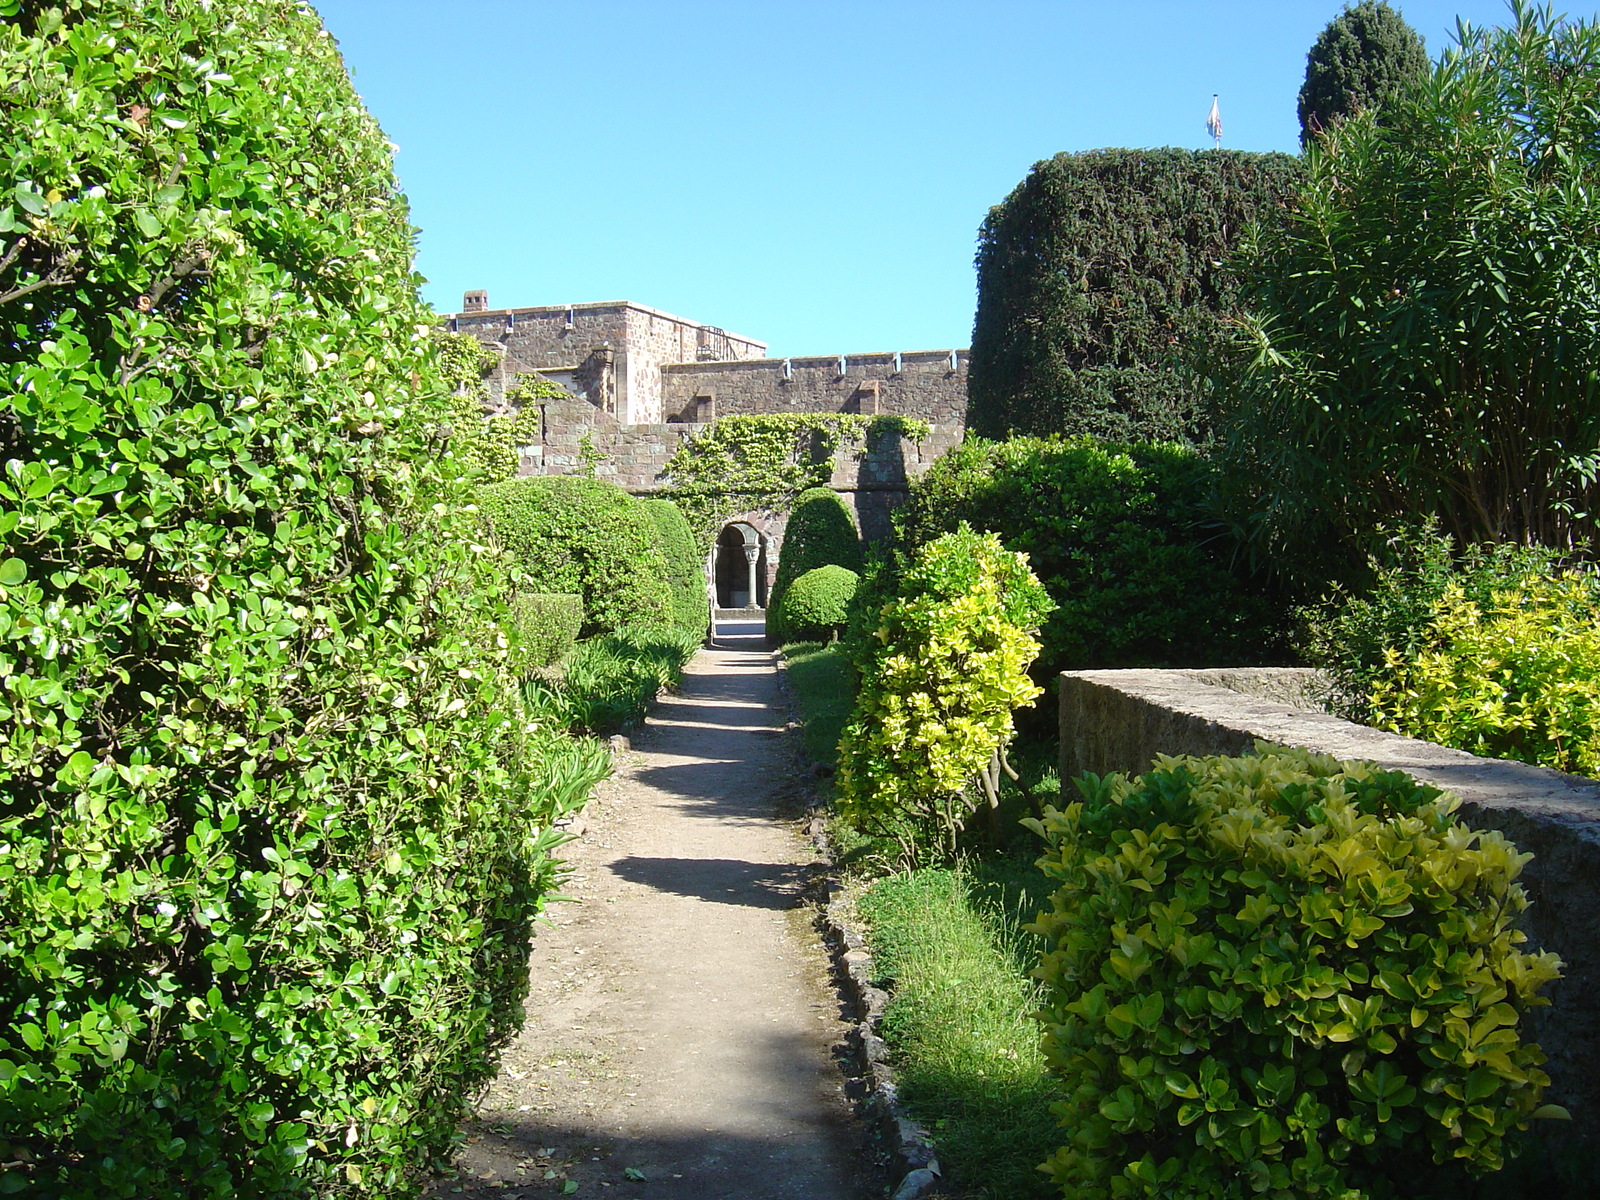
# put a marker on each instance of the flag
(1214, 121)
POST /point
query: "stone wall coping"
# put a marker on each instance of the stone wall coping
(1485, 783)
(594, 305)
(876, 358)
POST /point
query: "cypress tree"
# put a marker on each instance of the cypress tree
(1361, 60)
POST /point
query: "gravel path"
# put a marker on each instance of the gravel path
(681, 1029)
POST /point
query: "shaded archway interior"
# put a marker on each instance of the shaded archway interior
(740, 569)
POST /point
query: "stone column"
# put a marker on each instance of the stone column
(751, 553)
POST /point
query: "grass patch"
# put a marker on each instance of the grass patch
(948, 944)
(822, 694)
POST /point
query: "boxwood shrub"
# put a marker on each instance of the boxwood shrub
(820, 532)
(548, 624)
(273, 827)
(1282, 975)
(685, 566)
(1122, 538)
(816, 606)
(571, 533)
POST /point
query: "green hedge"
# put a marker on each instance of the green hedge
(685, 567)
(816, 606)
(820, 532)
(1099, 277)
(1121, 537)
(273, 828)
(548, 624)
(1282, 975)
(570, 533)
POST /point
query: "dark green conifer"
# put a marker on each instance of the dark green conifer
(1361, 60)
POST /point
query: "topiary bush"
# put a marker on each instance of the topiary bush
(1363, 60)
(548, 625)
(273, 826)
(1282, 975)
(586, 536)
(820, 532)
(685, 567)
(1516, 675)
(817, 606)
(1102, 286)
(1123, 539)
(940, 667)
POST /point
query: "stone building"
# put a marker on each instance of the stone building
(640, 380)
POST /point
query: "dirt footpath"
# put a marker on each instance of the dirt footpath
(681, 1029)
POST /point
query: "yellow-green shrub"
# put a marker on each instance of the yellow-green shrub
(1281, 975)
(1516, 677)
(941, 666)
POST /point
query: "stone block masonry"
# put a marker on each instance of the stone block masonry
(1119, 720)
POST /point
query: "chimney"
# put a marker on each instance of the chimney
(477, 301)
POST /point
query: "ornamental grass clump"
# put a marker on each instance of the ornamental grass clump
(1282, 975)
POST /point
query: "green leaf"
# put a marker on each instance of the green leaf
(149, 224)
(29, 199)
(12, 572)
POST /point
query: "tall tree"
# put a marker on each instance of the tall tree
(1362, 60)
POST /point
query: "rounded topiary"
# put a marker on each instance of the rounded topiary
(571, 533)
(1363, 60)
(817, 605)
(820, 532)
(1282, 975)
(269, 849)
(684, 565)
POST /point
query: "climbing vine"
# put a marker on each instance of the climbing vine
(765, 460)
(489, 443)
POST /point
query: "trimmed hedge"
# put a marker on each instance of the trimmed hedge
(1121, 537)
(816, 606)
(820, 532)
(570, 533)
(273, 825)
(685, 567)
(1099, 278)
(548, 624)
(1282, 975)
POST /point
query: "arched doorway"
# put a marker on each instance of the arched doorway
(740, 571)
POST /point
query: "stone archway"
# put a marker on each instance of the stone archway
(739, 567)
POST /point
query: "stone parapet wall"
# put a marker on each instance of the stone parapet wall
(919, 383)
(1119, 720)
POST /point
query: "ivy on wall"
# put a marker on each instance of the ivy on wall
(765, 460)
(489, 443)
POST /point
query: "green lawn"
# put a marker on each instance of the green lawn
(821, 690)
(948, 944)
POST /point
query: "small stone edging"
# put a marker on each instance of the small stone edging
(909, 1145)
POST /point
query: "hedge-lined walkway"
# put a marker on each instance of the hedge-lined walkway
(680, 1023)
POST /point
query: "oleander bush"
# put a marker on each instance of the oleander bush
(548, 625)
(273, 823)
(1282, 975)
(820, 532)
(1123, 539)
(816, 606)
(1514, 676)
(685, 567)
(940, 666)
(571, 533)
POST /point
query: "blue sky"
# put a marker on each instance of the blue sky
(811, 174)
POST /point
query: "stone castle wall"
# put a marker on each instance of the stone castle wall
(930, 384)
(613, 352)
